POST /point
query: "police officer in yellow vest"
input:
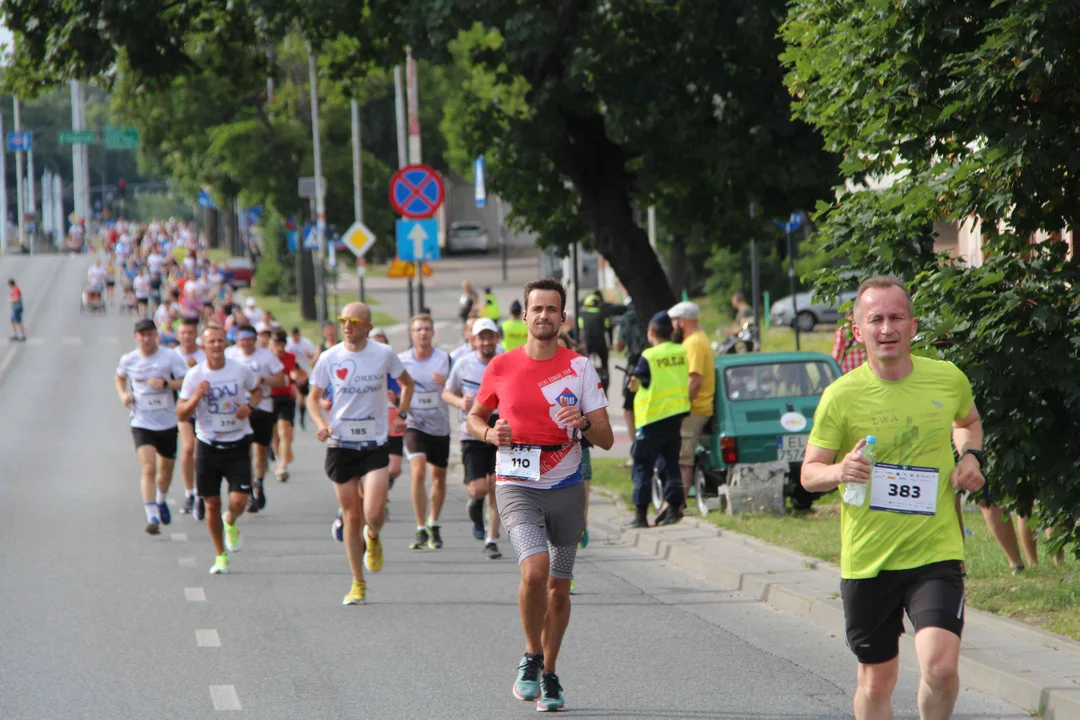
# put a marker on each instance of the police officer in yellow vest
(491, 306)
(662, 401)
(515, 332)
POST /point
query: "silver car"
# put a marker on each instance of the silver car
(811, 311)
(467, 237)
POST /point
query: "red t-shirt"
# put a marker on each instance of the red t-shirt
(529, 393)
(15, 295)
(289, 389)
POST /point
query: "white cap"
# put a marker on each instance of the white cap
(484, 324)
(250, 302)
(684, 311)
(263, 327)
(378, 331)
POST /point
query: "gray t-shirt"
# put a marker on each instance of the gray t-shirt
(427, 412)
(465, 378)
(264, 364)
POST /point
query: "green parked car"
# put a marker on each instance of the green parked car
(764, 411)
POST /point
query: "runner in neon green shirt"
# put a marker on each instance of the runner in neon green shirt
(901, 541)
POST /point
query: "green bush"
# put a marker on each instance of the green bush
(276, 272)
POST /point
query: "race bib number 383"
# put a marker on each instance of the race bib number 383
(904, 489)
(518, 463)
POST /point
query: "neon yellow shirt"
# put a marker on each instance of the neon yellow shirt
(515, 334)
(912, 420)
(699, 355)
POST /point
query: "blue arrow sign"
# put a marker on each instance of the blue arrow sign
(411, 233)
(20, 141)
(794, 222)
(478, 175)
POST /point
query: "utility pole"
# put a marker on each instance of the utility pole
(31, 196)
(19, 180)
(320, 191)
(358, 184)
(3, 191)
(80, 157)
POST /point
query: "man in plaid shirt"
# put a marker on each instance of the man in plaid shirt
(848, 352)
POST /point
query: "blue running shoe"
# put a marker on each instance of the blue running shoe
(337, 529)
(527, 685)
(584, 542)
(163, 512)
(551, 698)
(478, 531)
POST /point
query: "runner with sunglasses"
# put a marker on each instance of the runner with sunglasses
(356, 435)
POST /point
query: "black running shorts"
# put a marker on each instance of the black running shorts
(345, 464)
(932, 595)
(164, 441)
(478, 459)
(435, 447)
(214, 463)
(285, 409)
(395, 445)
(262, 427)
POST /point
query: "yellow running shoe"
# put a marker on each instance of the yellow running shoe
(221, 565)
(357, 595)
(232, 535)
(373, 555)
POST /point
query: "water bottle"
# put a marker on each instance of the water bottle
(855, 493)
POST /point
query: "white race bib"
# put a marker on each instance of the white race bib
(153, 402)
(904, 489)
(425, 400)
(357, 431)
(225, 423)
(518, 463)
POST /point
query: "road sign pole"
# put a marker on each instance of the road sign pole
(413, 99)
(502, 237)
(577, 309)
(31, 195)
(19, 161)
(412, 308)
(791, 282)
(399, 115)
(320, 191)
(357, 165)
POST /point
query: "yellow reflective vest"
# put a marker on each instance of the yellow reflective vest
(669, 391)
(515, 334)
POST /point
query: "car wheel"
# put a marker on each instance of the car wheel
(805, 320)
(657, 490)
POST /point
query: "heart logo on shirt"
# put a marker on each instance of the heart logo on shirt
(343, 371)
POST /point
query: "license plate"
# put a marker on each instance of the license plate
(791, 448)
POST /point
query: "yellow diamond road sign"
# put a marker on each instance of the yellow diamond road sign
(359, 239)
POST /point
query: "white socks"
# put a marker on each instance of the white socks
(160, 497)
(151, 512)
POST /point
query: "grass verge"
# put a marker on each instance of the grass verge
(714, 319)
(1046, 596)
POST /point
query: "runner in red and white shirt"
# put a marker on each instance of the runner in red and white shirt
(284, 399)
(548, 397)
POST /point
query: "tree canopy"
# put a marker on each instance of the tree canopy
(969, 108)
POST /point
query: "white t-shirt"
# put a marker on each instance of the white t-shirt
(465, 378)
(304, 351)
(359, 417)
(141, 285)
(254, 315)
(96, 276)
(199, 355)
(215, 415)
(264, 364)
(427, 411)
(156, 261)
(153, 409)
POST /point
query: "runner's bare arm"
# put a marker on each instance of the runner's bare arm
(477, 421)
(255, 397)
(599, 431)
(276, 380)
(819, 474)
(407, 387)
(175, 383)
(968, 435)
(121, 390)
(186, 408)
(315, 393)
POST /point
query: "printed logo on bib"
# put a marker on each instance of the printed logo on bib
(518, 463)
(904, 489)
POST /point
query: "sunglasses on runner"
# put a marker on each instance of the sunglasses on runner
(350, 321)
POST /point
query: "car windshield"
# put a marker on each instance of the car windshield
(467, 230)
(778, 380)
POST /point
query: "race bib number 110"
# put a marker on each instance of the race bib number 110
(518, 463)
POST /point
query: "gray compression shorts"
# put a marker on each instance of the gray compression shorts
(540, 521)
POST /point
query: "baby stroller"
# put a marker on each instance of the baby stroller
(127, 301)
(93, 300)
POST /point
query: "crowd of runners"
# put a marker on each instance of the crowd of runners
(227, 394)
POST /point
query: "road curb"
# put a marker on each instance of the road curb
(980, 669)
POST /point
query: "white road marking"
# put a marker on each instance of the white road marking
(30, 316)
(207, 638)
(71, 340)
(186, 562)
(195, 594)
(35, 341)
(224, 697)
(179, 537)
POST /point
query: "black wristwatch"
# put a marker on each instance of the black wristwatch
(979, 455)
(403, 415)
(588, 425)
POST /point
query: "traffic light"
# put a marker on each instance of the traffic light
(121, 188)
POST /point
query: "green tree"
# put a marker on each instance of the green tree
(968, 107)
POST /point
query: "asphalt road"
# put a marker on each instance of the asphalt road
(101, 621)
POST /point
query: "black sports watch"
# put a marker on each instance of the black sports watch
(403, 415)
(979, 455)
(588, 425)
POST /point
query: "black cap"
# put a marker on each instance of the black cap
(144, 325)
(515, 307)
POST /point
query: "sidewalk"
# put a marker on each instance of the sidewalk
(1028, 667)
